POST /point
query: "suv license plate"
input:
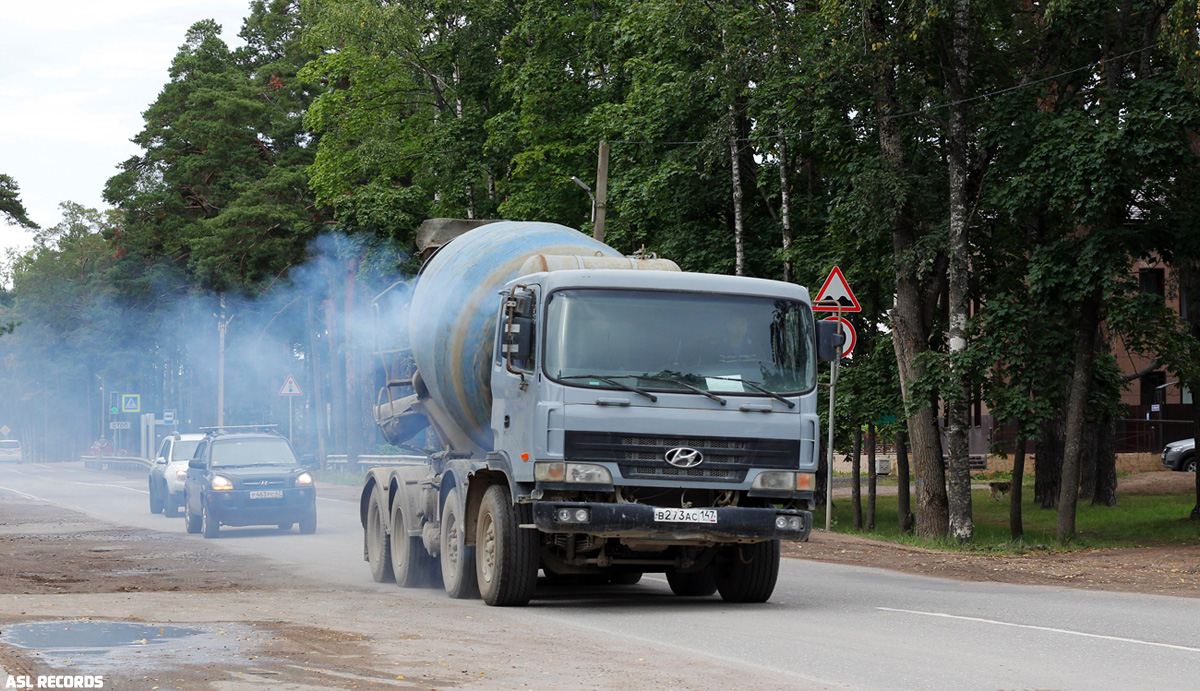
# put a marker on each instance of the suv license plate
(266, 494)
(685, 515)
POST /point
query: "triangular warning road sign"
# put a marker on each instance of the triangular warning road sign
(290, 387)
(836, 288)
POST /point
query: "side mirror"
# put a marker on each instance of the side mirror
(829, 341)
(196, 464)
(517, 340)
(160, 460)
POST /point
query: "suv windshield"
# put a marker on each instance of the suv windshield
(183, 450)
(666, 341)
(240, 452)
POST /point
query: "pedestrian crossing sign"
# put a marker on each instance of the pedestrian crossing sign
(131, 403)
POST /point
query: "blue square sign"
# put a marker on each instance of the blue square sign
(131, 403)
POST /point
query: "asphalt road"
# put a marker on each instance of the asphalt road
(827, 626)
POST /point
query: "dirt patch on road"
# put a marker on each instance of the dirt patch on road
(44, 549)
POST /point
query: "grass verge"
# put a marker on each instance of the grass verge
(1135, 522)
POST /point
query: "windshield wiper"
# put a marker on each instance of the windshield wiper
(614, 382)
(685, 385)
(758, 387)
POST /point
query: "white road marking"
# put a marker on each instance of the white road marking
(1044, 628)
(19, 493)
(101, 484)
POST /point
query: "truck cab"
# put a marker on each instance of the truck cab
(655, 407)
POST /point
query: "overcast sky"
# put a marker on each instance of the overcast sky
(75, 77)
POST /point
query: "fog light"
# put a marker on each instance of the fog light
(774, 480)
(564, 515)
(781, 522)
(581, 515)
(550, 472)
(794, 523)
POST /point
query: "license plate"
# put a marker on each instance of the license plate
(685, 515)
(266, 494)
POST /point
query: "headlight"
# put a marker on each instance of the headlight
(221, 483)
(181, 474)
(588, 474)
(580, 473)
(304, 479)
(775, 480)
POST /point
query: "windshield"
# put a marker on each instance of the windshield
(183, 450)
(231, 452)
(8, 444)
(665, 341)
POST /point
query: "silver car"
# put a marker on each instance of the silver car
(10, 450)
(169, 471)
(1180, 455)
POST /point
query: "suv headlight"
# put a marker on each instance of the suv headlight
(221, 483)
(304, 479)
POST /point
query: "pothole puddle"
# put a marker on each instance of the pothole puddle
(100, 645)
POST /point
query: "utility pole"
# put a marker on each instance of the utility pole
(601, 192)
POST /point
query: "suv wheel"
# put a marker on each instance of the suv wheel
(1189, 464)
(211, 527)
(190, 522)
(308, 524)
(156, 500)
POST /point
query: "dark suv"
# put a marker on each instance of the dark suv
(247, 478)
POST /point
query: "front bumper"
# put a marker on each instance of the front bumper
(734, 523)
(236, 508)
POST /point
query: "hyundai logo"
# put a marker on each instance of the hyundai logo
(684, 457)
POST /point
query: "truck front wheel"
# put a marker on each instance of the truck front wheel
(379, 549)
(748, 573)
(506, 554)
(458, 559)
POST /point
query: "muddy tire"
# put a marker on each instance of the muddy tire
(412, 566)
(212, 528)
(379, 544)
(458, 559)
(693, 583)
(749, 572)
(506, 555)
(191, 523)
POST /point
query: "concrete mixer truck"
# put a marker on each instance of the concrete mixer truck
(597, 417)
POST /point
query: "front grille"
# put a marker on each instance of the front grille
(726, 459)
(272, 483)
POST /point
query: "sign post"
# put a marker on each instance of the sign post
(835, 296)
(290, 389)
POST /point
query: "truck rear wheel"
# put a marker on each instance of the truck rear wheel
(693, 583)
(379, 550)
(458, 559)
(506, 557)
(411, 564)
(750, 572)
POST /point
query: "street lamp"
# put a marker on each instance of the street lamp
(587, 189)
